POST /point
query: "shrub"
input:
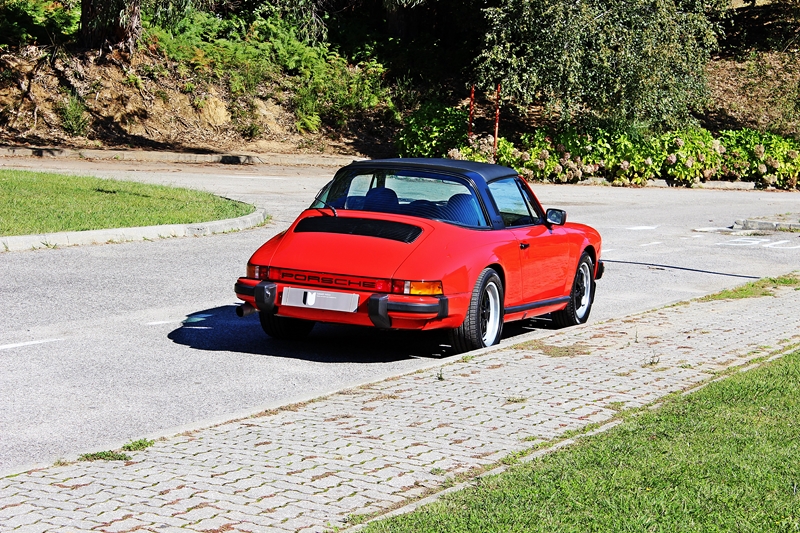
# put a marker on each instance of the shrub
(693, 155)
(74, 119)
(250, 54)
(767, 158)
(37, 21)
(686, 157)
(432, 131)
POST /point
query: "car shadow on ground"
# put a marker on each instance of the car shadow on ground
(219, 329)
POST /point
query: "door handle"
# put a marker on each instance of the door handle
(523, 245)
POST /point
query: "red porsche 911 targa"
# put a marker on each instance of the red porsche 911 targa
(424, 244)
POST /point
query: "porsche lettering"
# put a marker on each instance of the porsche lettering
(325, 280)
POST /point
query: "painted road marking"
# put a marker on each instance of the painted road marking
(651, 243)
(744, 241)
(775, 245)
(29, 343)
(765, 243)
(160, 322)
(638, 228)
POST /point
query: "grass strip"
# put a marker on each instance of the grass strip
(755, 289)
(724, 458)
(37, 202)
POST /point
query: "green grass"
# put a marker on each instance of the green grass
(725, 458)
(755, 289)
(104, 456)
(138, 445)
(36, 202)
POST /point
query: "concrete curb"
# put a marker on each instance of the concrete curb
(765, 225)
(180, 157)
(102, 236)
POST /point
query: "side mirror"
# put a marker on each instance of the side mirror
(555, 217)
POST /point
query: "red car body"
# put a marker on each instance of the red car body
(399, 267)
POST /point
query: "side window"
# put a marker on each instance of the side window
(513, 206)
(537, 215)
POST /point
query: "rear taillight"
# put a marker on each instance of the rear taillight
(417, 288)
(257, 271)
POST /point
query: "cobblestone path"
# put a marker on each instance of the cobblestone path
(309, 467)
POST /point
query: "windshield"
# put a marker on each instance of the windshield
(419, 194)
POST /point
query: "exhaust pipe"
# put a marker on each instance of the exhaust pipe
(245, 309)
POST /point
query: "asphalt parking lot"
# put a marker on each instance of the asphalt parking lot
(104, 344)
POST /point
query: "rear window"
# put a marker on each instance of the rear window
(426, 195)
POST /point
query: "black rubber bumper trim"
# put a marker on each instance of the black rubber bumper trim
(378, 307)
(265, 294)
(601, 268)
(241, 288)
(535, 305)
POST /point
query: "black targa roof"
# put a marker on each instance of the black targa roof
(479, 173)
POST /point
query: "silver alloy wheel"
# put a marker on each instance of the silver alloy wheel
(490, 313)
(583, 292)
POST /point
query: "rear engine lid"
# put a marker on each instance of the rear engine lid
(353, 246)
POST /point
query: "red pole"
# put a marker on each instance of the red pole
(496, 119)
(471, 111)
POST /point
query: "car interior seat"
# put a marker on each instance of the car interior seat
(382, 200)
(463, 209)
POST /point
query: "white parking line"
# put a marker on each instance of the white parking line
(29, 343)
(651, 243)
(159, 322)
(638, 228)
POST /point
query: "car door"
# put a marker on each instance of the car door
(544, 249)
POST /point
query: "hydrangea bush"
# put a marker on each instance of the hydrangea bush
(686, 157)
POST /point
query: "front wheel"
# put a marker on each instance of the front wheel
(581, 296)
(281, 327)
(483, 324)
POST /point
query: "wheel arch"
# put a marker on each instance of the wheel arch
(589, 249)
(497, 267)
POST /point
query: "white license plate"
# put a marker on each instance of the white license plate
(330, 301)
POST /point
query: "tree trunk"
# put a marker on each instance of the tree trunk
(111, 23)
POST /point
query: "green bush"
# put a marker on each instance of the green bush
(685, 157)
(251, 55)
(432, 131)
(762, 157)
(74, 119)
(693, 155)
(43, 22)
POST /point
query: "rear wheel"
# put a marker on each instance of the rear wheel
(281, 327)
(483, 324)
(580, 298)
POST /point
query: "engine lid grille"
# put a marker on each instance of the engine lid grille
(367, 227)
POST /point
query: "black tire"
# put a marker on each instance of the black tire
(285, 328)
(581, 297)
(483, 325)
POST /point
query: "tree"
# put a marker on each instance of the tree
(620, 59)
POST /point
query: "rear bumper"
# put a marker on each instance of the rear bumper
(379, 306)
(380, 310)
